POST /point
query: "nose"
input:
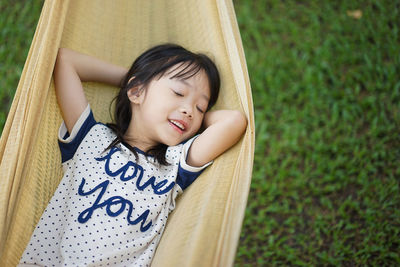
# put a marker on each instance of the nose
(187, 110)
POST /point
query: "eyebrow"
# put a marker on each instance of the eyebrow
(186, 83)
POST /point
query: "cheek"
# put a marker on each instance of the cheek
(197, 125)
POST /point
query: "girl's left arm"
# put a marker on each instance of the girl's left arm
(223, 129)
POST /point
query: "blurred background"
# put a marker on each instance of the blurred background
(325, 77)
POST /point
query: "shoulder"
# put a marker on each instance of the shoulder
(186, 174)
(86, 132)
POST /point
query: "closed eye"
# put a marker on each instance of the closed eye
(177, 93)
(201, 110)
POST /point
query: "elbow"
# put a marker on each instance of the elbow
(60, 65)
(60, 60)
(239, 120)
(62, 55)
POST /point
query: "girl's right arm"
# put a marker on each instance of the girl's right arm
(73, 68)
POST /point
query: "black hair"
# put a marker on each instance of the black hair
(154, 63)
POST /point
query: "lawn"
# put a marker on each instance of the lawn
(18, 21)
(325, 77)
(326, 86)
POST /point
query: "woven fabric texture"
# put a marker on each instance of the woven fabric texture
(204, 229)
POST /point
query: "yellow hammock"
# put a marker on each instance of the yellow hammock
(204, 229)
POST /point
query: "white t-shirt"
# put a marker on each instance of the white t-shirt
(109, 209)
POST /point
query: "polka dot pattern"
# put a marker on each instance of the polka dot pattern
(108, 209)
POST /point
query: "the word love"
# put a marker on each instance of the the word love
(133, 170)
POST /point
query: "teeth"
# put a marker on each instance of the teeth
(180, 125)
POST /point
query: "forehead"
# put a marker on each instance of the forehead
(196, 79)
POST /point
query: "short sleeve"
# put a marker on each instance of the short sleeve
(69, 142)
(188, 174)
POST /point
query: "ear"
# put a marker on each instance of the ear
(134, 94)
(131, 79)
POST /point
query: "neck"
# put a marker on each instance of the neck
(137, 137)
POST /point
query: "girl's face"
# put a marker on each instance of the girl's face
(170, 110)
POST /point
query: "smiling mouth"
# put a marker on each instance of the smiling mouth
(178, 126)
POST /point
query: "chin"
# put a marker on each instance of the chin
(172, 142)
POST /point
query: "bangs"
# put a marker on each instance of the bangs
(184, 70)
(176, 62)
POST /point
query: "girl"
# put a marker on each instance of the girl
(121, 180)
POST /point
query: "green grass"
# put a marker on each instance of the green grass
(18, 21)
(326, 90)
